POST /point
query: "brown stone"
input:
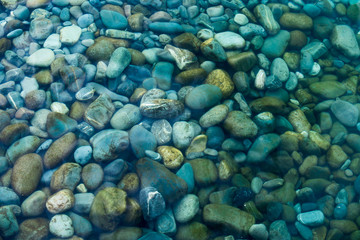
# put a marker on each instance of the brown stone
(221, 79)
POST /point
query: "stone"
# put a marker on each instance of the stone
(67, 176)
(274, 46)
(345, 112)
(172, 157)
(335, 156)
(191, 76)
(166, 27)
(186, 208)
(205, 172)
(119, 60)
(9, 225)
(162, 131)
(154, 174)
(83, 154)
(126, 117)
(214, 116)
(192, 231)
(240, 125)
(182, 134)
(266, 19)
(13, 132)
(213, 50)
(82, 226)
(210, 96)
(100, 111)
(34, 228)
(108, 144)
(230, 40)
(299, 121)
(258, 232)
(151, 202)
(161, 108)
(108, 206)
(279, 230)
(21, 147)
(345, 226)
(8, 196)
(280, 69)
(184, 58)
(60, 150)
(141, 139)
(328, 89)
(242, 61)
(131, 233)
(41, 58)
(34, 205)
(188, 41)
(113, 19)
(343, 38)
(221, 79)
(101, 50)
(162, 72)
(58, 124)
(262, 146)
(136, 22)
(115, 170)
(26, 174)
(61, 226)
(228, 218)
(298, 21)
(70, 35)
(60, 201)
(40, 28)
(312, 218)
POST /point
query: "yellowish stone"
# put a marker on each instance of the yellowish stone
(221, 79)
(319, 140)
(172, 157)
(197, 146)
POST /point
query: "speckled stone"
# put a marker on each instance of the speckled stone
(221, 79)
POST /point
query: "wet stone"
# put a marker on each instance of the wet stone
(161, 108)
(99, 112)
(151, 202)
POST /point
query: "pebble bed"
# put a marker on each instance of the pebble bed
(179, 119)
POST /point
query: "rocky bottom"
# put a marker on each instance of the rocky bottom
(185, 120)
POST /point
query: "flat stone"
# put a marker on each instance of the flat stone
(67, 176)
(21, 147)
(230, 40)
(70, 35)
(41, 58)
(186, 208)
(299, 21)
(113, 20)
(126, 117)
(210, 95)
(267, 143)
(214, 116)
(227, 217)
(266, 19)
(141, 140)
(99, 112)
(240, 125)
(60, 201)
(119, 60)
(154, 174)
(328, 89)
(343, 38)
(274, 46)
(345, 112)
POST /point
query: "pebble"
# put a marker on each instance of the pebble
(70, 35)
(34, 205)
(60, 201)
(186, 208)
(312, 218)
(41, 58)
(119, 60)
(151, 202)
(345, 112)
(61, 226)
(343, 38)
(83, 154)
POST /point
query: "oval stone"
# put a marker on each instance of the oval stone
(162, 108)
(203, 96)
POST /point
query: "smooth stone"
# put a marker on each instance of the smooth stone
(186, 208)
(41, 58)
(82, 226)
(40, 28)
(83, 154)
(165, 223)
(162, 131)
(9, 225)
(85, 20)
(141, 139)
(193, 231)
(280, 69)
(21, 147)
(61, 226)
(221, 79)
(259, 232)
(37, 228)
(172, 157)
(108, 206)
(13, 132)
(154, 174)
(101, 50)
(213, 50)
(119, 60)
(184, 59)
(115, 170)
(67, 176)
(58, 124)
(328, 89)
(108, 144)
(131, 233)
(230, 40)
(296, 21)
(214, 116)
(8, 196)
(60, 150)
(70, 35)
(166, 27)
(267, 143)
(345, 112)
(187, 174)
(205, 172)
(151, 202)
(274, 46)
(240, 125)
(279, 230)
(182, 134)
(266, 19)
(26, 174)
(126, 117)
(210, 95)
(229, 218)
(162, 72)
(34, 205)
(312, 218)
(100, 111)
(113, 19)
(343, 38)
(316, 49)
(188, 41)
(161, 108)
(83, 202)
(60, 201)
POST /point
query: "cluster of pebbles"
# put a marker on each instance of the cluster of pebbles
(185, 120)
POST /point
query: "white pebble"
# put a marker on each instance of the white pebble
(241, 19)
(315, 69)
(59, 107)
(61, 226)
(349, 173)
(260, 80)
(205, 34)
(186, 208)
(256, 185)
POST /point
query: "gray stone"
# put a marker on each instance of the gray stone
(345, 112)
(126, 117)
(162, 131)
(119, 60)
(262, 146)
(312, 218)
(266, 19)
(141, 140)
(279, 69)
(186, 208)
(343, 38)
(182, 135)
